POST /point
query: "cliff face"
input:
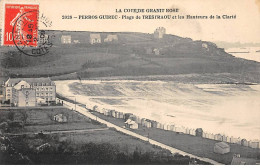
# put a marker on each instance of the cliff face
(133, 54)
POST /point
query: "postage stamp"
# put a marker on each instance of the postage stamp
(21, 25)
(21, 29)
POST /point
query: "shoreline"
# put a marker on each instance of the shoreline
(206, 78)
(81, 109)
(200, 146)
(194, 145)
(85, 99)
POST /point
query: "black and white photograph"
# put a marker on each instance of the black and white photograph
(130, 82)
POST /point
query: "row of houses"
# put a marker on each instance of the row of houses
(234, 140)
(94, 38)
(134, 122)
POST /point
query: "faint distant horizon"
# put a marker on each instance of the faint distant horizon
(226, 45)
(220, 44)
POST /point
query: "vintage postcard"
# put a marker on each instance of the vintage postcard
(130, 82)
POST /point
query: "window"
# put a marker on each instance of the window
(37, 94)
(47, 89)
(22, 86)
(37, 89)
(8, 94)
(8, 90)
(46, 94)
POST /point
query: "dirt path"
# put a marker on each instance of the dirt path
(58, 132)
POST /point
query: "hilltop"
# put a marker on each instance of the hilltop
(132, 55)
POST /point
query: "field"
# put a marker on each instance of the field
(34, 138)
(35, 120)
(198, 146)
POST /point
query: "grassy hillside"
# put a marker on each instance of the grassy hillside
(130, 56)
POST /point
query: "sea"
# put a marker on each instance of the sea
(228, 109)
(250, 53)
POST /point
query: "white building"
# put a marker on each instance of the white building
(180, 129)
(66, 39)
(111, 37)
(76, 41)
(26, 97)
(159, 32)
(131, 124)
(221, 148)
(211, 136)
(192, 132)
(25, 91)
(254, 144)
(95, 39)
(237, 160)
(60, 118)
(156, 51)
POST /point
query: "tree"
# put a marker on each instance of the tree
(11, 115)
(24, 118)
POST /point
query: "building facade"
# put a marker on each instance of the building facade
(221, 148)
(159, 32)
(156, 51)
(26, 97)
(26, 91)
(65, 39)
(95, 39)
(111, 37)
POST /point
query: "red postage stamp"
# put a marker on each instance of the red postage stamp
(20, 25)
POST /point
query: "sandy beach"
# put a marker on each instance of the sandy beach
(227, 109)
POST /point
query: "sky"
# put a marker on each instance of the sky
(245, 28)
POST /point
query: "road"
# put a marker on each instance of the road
(85, 112)
(36, 107)
(58, 131)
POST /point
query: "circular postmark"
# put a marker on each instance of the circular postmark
(27, 38)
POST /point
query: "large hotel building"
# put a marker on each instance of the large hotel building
(29, 91)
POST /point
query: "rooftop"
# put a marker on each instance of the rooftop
(222, 145)
(244, 161)
(93, 36)
(14, 81)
